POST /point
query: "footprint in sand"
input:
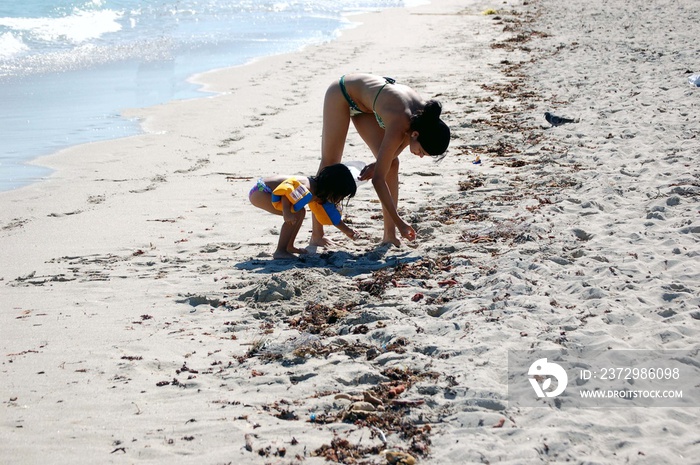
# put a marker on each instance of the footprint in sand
(582, 235)
(15, 223)
(96, 199)
(235, 137)
(59, 215)
(199, 164)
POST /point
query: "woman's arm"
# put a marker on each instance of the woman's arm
(388, 151)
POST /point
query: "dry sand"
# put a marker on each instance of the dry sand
(143, 320)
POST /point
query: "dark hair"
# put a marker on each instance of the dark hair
(334, 183)
(433, 133)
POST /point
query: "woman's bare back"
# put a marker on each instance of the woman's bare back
(372, 94)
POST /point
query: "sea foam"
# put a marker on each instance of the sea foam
(11, 45)
(78, 27)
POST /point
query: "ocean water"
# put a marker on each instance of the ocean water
(69, 67)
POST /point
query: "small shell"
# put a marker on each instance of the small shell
(399, 458)
(362, 407)
(368, 397)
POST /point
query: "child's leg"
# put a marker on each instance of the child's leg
(288, 234)
(262, 199)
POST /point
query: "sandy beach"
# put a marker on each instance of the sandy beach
(143, 319)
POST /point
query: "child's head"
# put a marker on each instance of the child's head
(334, 183)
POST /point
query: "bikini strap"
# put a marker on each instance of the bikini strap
(387, 80)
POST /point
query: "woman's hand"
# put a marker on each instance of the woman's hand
(407, 232)
(367, 172)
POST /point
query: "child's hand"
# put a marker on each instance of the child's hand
(358, 235)
(352, 234)
(348, 231)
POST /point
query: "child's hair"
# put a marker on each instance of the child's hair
(433, 133)
(334, 183)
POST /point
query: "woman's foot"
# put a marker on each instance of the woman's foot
(283, 255)
(391, 240)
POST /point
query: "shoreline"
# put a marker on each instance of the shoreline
(31, 170)
(145, 320)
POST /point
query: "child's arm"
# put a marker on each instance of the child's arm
(328, 213)
(347, 230)
(287, 213)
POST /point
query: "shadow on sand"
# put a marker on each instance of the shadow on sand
(342, 262)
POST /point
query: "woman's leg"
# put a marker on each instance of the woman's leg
(392, 181)
(373, 135)
(336, 121)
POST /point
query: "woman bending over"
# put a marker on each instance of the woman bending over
(389, 117)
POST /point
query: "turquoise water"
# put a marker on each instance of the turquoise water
(68, 68)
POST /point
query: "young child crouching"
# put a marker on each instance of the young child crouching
(288, 195)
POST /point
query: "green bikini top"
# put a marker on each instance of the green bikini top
(376, 115)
